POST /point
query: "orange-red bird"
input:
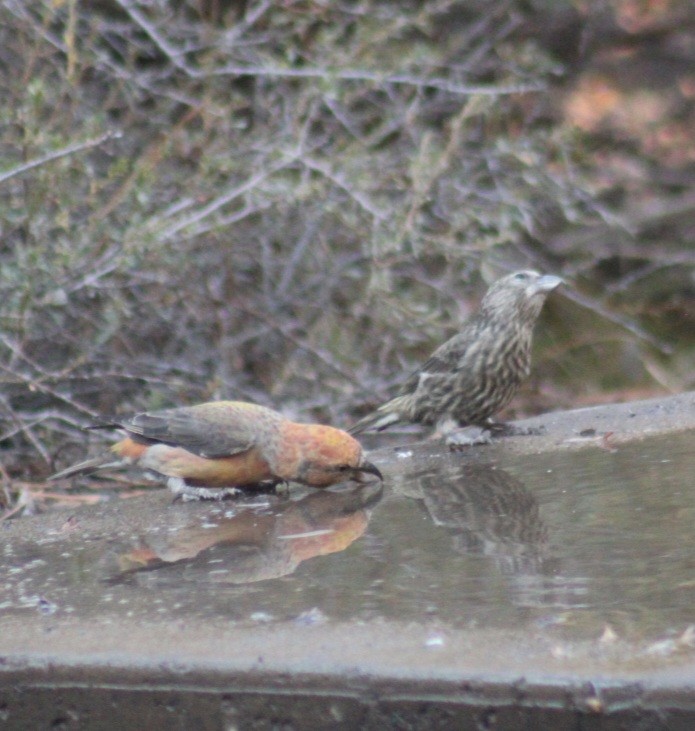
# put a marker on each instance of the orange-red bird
(231, 444)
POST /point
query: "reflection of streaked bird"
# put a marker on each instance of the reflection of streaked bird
(258, 543)
(490, 512)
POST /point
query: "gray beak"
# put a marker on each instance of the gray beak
(547, 283)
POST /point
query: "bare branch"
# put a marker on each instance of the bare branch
(57, 154)
(173, 54)
(379, 79)
(227, 197)
(340, 180)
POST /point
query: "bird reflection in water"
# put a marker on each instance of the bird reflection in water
(490, 512)
(256, 542)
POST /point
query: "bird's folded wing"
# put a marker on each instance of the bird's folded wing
(444, 360)
(204, 434)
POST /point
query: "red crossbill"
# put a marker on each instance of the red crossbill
(231, 444)
(476, 373)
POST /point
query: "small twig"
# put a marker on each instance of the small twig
(83, 499)
(322, 356)
(171, 52)
(64, 152)
(38, 384)
(296, 256)
(614, 317)
(19, 506)
(25, 502)
(6, 482)
(251, 15)
(226, 198)
(226, 221)
(339, 180)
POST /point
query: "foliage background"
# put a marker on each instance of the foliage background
(295, 202)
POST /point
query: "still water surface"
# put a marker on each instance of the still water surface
(573, 541)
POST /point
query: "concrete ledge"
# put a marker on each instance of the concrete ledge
(77, 652)
(594, 426)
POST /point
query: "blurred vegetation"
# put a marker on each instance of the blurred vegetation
(294, 202)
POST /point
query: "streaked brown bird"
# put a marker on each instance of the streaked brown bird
(231, 445)
(476, 373)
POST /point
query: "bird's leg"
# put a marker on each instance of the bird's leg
(458, 437)
(187, 493)
(467, 437)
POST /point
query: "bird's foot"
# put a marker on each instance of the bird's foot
(501, 429)
(282, 487)
(267, 487)
(187, 493)
(467, 437)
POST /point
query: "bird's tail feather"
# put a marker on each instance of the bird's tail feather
(382, 418)
(105, 461)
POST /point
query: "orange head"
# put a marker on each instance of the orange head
(320, 456)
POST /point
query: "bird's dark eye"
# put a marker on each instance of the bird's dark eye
(521, 276)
